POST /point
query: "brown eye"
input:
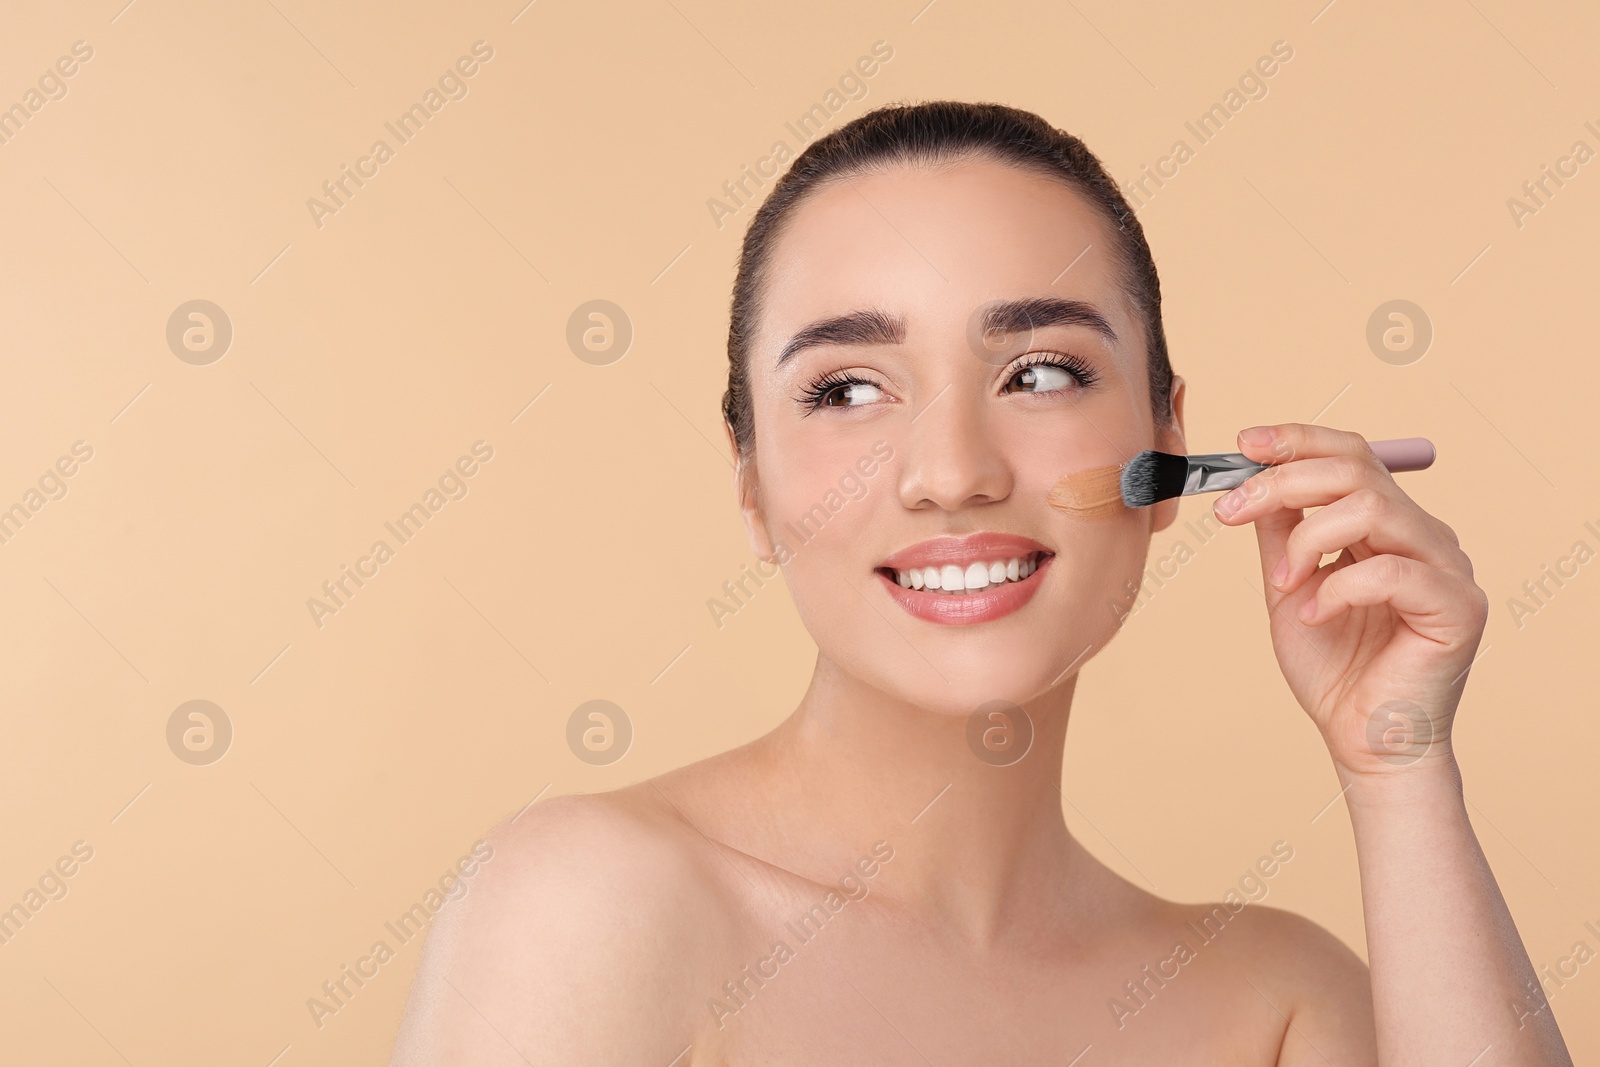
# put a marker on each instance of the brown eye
(1039, 378)
(851, 394)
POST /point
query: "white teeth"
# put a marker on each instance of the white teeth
(951, 578)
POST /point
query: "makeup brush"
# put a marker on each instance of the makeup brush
(1153, 476)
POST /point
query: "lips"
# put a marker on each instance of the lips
(965, 580)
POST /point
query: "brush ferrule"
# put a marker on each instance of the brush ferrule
(1218, 470)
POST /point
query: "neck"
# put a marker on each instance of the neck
(975, 835)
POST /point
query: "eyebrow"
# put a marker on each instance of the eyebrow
(869, 326)
(1017, 316)
(872, 326)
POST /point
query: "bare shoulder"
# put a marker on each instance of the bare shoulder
(1291, 949)
(577, 941)
(1308, 978)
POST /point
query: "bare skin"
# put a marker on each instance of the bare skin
(859, 885)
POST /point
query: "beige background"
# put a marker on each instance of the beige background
(431, 309)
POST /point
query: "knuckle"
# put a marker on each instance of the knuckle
(1393, 570)
(1297, 544)
(1475, 602)
(1362, 449)
(1259, 488)
(1350, 469)
(1369, 503)
(1285, 445)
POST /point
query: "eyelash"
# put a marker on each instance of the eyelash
(812, 397)
(1086, 375)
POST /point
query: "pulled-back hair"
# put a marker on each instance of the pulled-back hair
(937, 132)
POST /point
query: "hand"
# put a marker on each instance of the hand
(1375, 645)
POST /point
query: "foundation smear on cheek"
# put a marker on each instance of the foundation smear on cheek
(1090, 494)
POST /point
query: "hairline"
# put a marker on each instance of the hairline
(939, 158)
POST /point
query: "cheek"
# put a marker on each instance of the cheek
(823, 508)
(810, 469)
(1082, 440)
(1100, 559)
(1098, 571)
(830, 580)
(821, 532)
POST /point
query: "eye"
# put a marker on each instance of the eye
(1040, 379)
(850, 394)
(1049, 372)
(839, 391)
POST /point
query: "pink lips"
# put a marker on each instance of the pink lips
(965, 608)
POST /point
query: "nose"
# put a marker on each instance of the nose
(952, 460)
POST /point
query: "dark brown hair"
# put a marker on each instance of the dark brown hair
(940, 131)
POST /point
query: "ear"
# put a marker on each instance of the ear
(1171, 439)
(746, 491)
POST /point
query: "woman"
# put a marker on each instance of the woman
(939, 311)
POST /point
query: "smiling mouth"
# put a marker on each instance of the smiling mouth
(954, 579)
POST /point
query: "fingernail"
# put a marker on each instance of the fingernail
(1231, 503)
(1308, 609)
(1280, 572)
(1257, 435)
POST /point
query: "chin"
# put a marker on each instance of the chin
(963, 670)
(967, 695)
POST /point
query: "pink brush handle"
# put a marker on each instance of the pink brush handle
(1405, 453)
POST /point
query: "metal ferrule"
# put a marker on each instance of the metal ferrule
(1218, 470)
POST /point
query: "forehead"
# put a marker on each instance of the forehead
(934, 242)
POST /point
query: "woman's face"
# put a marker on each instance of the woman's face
(897, 441)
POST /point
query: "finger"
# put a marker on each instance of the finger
(1273, 531)
(1431, 601)
(1287, 441)
(1303, 483)
(1370, 518)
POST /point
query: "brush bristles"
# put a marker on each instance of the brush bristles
(1089, 494)
(1153, 476)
